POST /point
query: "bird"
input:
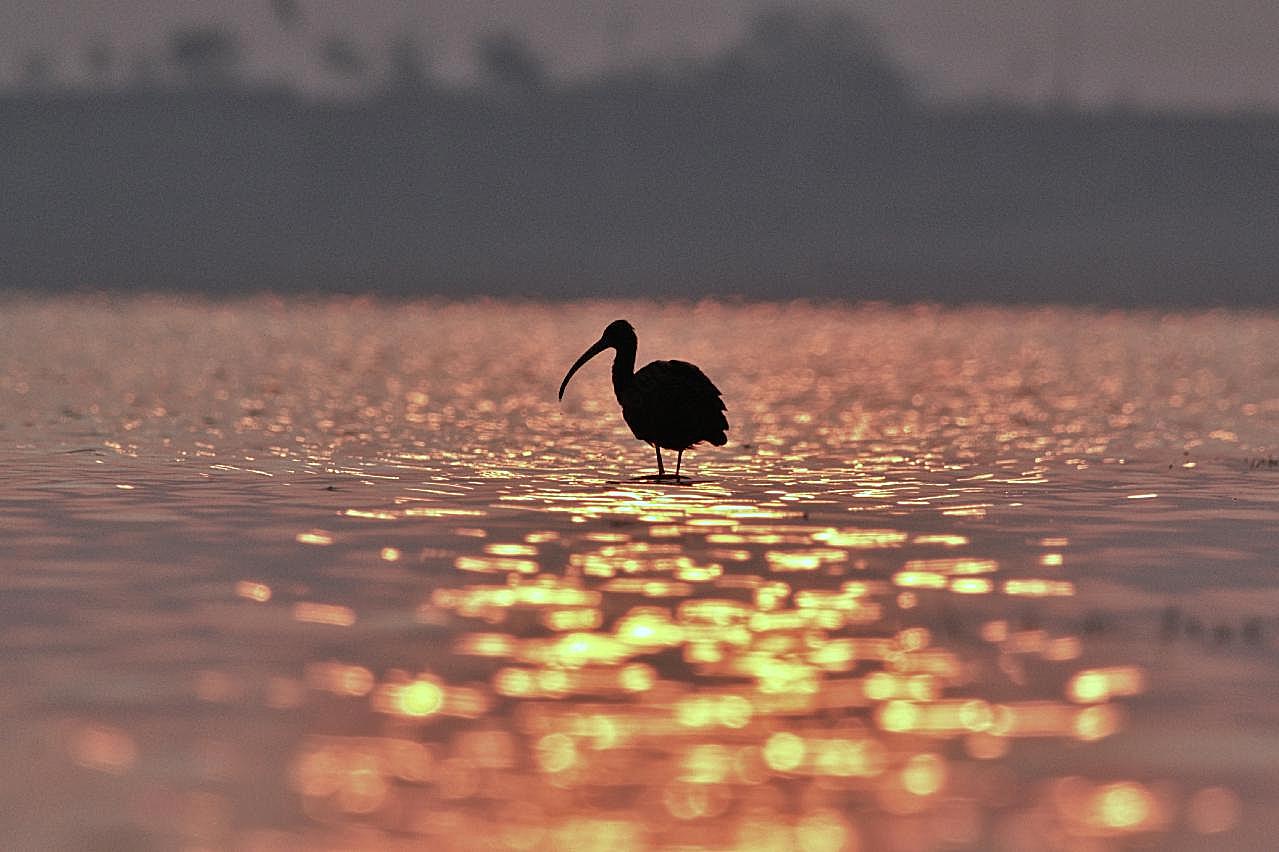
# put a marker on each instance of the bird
(667, 404)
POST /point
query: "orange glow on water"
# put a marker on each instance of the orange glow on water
(1124, 806)
(920, 579)
(366, 514)
(898, 716)
(855, 627)
(971, 586)
(259, 592)
(341, 679)
(1097, 722)
(953, 567)
(1039, 588)
(572, 619)
(1213, 810)
(103, 748)
(924, 774)
(855, 539)
(556, 753)
(334, 615)
(942, 539)
(983, 746)
(495, 565)
(1063, 648)
(419, 698)
(994, 631)
(1092, 686)
(825, 831)
(784, 752)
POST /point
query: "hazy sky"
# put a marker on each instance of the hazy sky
(1222, 54)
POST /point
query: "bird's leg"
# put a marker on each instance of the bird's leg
(679, 458)
(661, 471)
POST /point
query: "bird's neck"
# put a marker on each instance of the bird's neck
(623, 368)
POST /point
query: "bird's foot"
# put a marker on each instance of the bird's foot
(678, 479)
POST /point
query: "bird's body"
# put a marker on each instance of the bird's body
(672, 405)
(667, 404)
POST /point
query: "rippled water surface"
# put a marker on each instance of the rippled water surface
(321, 575)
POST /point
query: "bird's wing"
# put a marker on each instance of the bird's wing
(678, 380)
(675, 405)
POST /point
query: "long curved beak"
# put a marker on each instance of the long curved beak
(599, 347)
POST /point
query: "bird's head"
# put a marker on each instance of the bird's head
(619, 334)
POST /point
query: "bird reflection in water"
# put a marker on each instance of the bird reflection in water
(667, 404)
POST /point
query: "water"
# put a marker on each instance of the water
(344, 575)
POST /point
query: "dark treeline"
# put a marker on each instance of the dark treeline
(798, 162)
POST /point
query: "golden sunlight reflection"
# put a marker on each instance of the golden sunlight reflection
(250, 590)
(317, 537)
(103, 748)
(1213, 810)
(318, 613)
(678, 648)
(398, 596)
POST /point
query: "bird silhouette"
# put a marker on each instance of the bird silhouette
(668, 404)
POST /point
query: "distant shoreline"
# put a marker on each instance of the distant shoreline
(796, 164)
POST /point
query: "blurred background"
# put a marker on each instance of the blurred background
(1075, 151)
